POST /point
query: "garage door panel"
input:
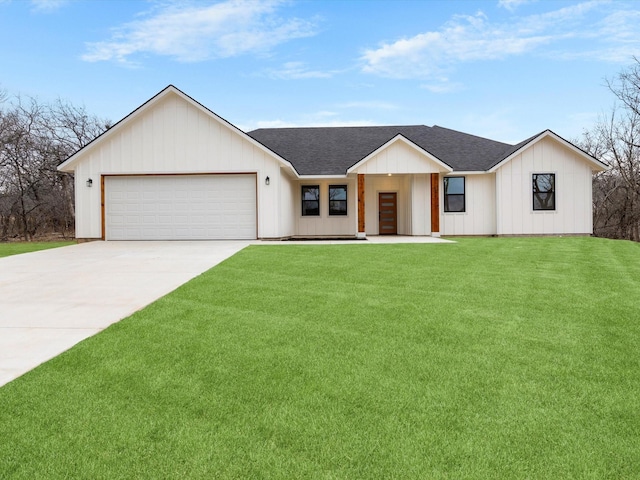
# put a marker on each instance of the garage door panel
(180, 207)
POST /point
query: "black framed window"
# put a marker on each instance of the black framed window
(544, 191)
(337, 199)
(454, 200)
(310, 200)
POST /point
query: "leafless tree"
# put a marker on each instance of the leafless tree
(616, 140)
(35, 138)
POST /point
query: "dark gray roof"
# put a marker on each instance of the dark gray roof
(332, 150)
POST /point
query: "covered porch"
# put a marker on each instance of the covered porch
(398, 204)
(398, 190)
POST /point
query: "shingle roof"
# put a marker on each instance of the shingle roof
(332, 150)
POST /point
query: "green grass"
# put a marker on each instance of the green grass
(15, 248)
(489, 358)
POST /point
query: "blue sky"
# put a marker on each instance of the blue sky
(503, 69)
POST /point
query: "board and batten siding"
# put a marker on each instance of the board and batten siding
(514, 195)
(173, 136)
(398, 158)
(420, 205)
(479, 217)
(287, 219)
(325, 224)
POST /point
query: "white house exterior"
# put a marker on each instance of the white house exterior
(173, 169)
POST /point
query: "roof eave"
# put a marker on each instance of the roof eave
(597, 165)
(399, 137)
(69, 164)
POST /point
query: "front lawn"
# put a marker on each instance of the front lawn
(15, 248)
(489, 358)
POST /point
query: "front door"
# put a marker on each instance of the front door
(387, 213)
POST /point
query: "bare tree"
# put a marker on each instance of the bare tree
(69, 129)
(35, 138)
(616, 140)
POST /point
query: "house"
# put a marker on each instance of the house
(173, 169)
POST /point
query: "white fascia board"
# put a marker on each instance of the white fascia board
(598, 165)
(69, 164)
(400, 138)
(321, 177)
(468, 172)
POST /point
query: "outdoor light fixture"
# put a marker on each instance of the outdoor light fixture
(89, 183)
(267, 181)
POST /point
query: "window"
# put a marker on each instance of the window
(544, 191)
(337, 199)
(454, 194)
(310, 200)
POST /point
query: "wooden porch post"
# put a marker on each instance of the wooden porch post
(361, 232)
(435, 205)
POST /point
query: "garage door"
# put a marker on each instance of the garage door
(180, 207)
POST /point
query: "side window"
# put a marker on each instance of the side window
(544, 191)
(337, 199)
(310, 200)
(454, 194)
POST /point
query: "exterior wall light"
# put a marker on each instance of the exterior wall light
(89, 183)
(267, 181)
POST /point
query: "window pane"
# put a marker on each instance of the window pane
(310, 193)
(310, 208)
(454, 185)
(337, 192)
(454, 203)
(311, 200)
(454, 194)
(544, 191)
(543, 201)
(337, 207)
(543, 182)
(337, 199)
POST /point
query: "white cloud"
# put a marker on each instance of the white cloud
(298, 71)
(511, 5)
(464, 38)
(47, 6)
(593, 29)
(194, 32)
(442, 87)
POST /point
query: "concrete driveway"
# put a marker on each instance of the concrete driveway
(52, 299)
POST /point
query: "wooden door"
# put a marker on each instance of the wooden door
(387, 213)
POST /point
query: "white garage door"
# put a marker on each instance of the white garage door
(180, 207)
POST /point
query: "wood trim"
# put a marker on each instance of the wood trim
(361, 209)
(257, 212)
(102, 209)
(435, 203)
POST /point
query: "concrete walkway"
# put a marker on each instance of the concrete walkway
(52, 299)
(373, 239)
